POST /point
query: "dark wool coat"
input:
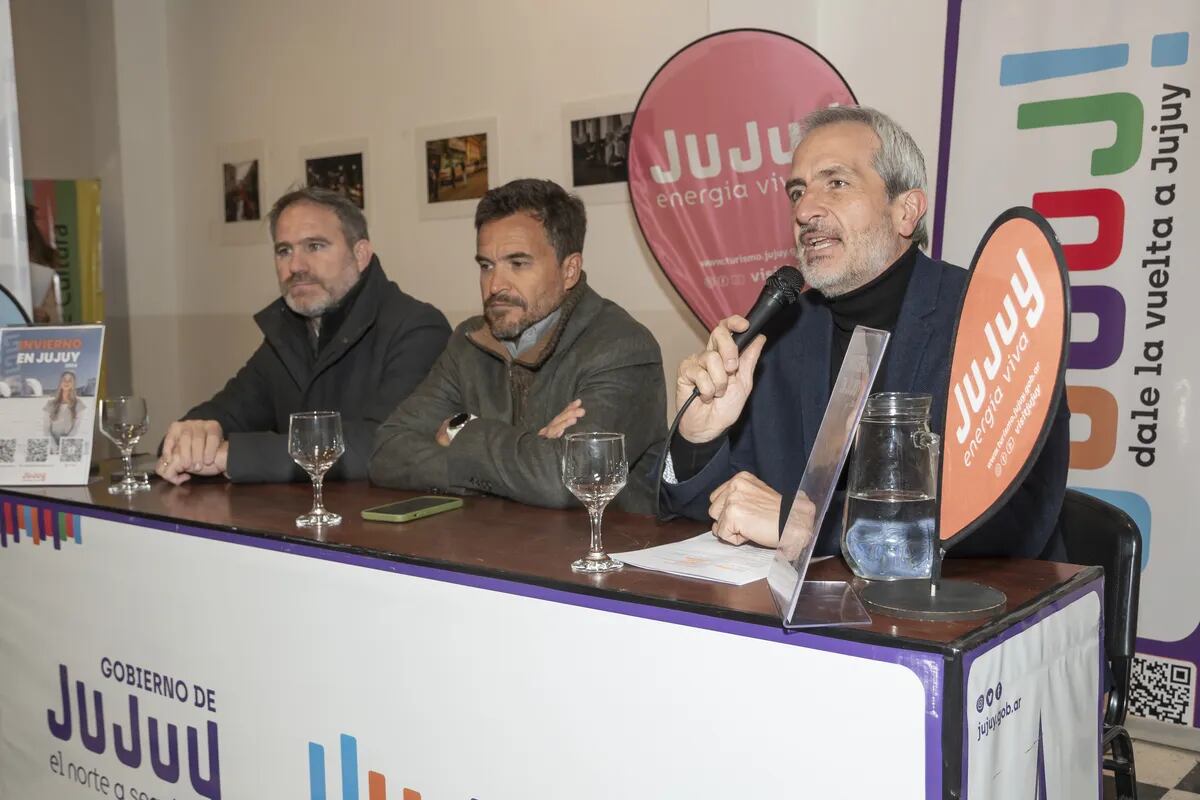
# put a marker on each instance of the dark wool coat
(382, 348)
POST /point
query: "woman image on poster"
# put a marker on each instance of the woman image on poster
(64, 411)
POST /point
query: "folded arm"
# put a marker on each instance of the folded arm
(405, 453)
(497, 457)
(502, 459)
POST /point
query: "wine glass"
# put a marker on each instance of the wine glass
(124, 421)
(315, 443)
(594, 470)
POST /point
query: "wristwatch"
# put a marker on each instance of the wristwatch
(457, 423)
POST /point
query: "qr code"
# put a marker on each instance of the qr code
(36, 450)
(8, 451)
(1163, 689)
(71, 450)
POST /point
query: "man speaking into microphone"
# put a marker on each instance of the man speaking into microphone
(858, 203)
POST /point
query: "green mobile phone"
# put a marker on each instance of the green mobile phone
(414, 508)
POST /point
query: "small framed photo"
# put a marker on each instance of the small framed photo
(596, 151)
(458, 161)
(243, 182)
(338, 166)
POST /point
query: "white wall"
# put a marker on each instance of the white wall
(65, 60)
(50, 43)
(194, 74)
(148, 193)
(250, 71)
(892, 56)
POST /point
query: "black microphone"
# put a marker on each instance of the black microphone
(781, 290)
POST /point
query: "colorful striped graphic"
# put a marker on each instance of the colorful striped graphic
(376, 782)
(1017, 68)
(1105, 205)
(1169, 49)
(38, 524)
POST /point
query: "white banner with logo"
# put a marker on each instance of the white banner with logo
(1082, 110)
(143, 663)
(1027, 699)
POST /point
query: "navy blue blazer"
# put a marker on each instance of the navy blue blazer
(777, 429)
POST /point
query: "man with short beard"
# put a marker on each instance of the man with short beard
(857, 192)
(341, 337)
(548, 355)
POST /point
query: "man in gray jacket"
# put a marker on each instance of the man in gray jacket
(547, 355)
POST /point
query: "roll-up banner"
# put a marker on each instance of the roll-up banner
(1083, 110)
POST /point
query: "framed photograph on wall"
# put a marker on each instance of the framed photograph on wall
(596, 148)
(458, 160)
(338, 166)
(243, 204)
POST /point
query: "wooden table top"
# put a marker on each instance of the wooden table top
(503, 539)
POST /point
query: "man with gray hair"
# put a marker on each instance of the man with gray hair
(341, 337)
(858, 202)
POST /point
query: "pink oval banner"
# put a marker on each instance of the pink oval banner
(709, 153)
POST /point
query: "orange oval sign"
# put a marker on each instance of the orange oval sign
(1006, 369)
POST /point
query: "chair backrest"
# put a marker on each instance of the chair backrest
(11, 312)
(1099, 534)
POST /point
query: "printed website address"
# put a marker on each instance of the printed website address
(749, 258)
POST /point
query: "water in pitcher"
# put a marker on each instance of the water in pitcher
(891, 533)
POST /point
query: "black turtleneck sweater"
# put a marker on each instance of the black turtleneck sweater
(875, 305)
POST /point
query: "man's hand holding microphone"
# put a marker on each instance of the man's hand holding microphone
(743, 508)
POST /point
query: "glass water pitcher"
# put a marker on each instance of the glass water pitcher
(891, 492)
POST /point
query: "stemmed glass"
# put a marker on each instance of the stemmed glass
(315, 443)
(124, 420)
(594, 470)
